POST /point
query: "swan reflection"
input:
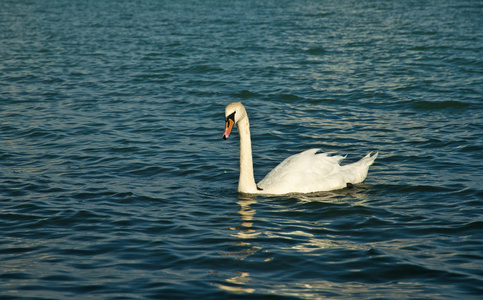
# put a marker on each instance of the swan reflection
(240, 279)
(245, 231)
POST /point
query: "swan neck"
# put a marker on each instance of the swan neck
(246, 183)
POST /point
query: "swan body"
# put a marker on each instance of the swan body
(306, 172)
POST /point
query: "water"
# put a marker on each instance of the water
(116, 184)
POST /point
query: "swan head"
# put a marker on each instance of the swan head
(234, 112)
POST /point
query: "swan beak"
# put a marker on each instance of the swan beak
(228, 127)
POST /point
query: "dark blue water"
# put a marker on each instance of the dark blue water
(115, 182)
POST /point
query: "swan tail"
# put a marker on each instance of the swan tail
(368, 160)
(357, 172)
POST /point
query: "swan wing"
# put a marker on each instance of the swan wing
(304, 172)
(314, 171)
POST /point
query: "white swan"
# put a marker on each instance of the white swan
(306, 172)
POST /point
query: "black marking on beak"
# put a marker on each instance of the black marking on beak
(231, 117)
(229, 123)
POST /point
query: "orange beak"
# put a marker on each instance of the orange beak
(228, 127)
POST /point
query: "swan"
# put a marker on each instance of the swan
(306, 172)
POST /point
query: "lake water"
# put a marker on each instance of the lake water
(115, 182)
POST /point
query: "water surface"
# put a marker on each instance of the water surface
(116, 184)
